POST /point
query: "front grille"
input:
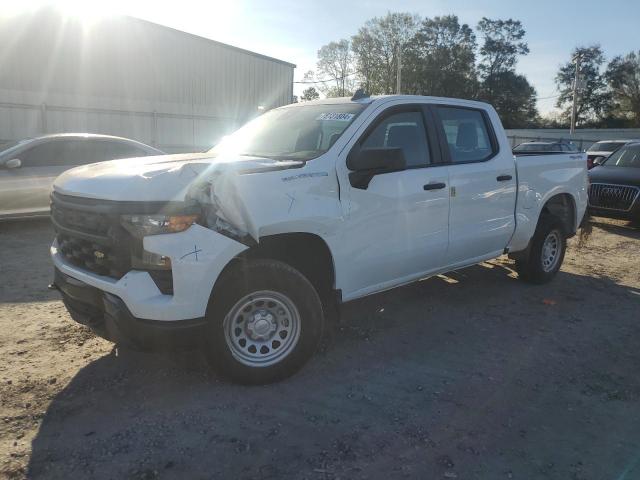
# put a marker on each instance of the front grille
(100, 259)
(89, 222)
(612, 197)
(90, 236)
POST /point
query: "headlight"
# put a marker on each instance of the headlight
(142, 225)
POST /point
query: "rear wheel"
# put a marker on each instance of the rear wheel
(264, 322)
(546, 254)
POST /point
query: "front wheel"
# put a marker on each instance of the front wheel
(264, 322)
(546, 254)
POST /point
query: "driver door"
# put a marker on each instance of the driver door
(397, 227)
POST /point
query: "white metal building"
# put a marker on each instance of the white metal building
(129, 77)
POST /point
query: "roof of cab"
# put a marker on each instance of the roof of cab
(385, 98)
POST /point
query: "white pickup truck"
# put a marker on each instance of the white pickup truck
(248, 248)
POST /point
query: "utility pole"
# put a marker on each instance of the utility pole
(399, 73)
(574, 110)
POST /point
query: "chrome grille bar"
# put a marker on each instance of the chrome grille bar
(609, 196)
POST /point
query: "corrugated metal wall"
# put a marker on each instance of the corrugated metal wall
(128, 77)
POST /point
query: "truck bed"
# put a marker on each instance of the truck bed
(540, 177)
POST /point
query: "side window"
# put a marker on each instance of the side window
(467, 134)
(79, 152)
(404, 130)
(43, 155)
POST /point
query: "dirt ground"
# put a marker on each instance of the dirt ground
(473, 375)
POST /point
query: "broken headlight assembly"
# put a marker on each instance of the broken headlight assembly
(142, 225)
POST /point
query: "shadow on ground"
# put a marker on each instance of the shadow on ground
(469, 375)
(630, 229)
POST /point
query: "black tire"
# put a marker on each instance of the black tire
(249, 281)
(532, 267)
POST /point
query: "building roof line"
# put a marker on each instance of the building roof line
(216, 42)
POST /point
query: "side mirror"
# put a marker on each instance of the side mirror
(13, 163)
(368, 162)
(598, 161)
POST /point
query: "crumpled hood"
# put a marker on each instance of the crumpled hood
(157, 178)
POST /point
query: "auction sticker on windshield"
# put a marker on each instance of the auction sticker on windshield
(340, 117)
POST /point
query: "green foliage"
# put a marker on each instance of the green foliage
(594, 97)
(502, 45)
(440, 59)
(335, 62)
(375, 49)
(513, 97)
(309, 94)
(623, 78)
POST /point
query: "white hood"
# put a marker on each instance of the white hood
(157, 178)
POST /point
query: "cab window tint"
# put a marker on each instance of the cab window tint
(404, 130)
(466, 133)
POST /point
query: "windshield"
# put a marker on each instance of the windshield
(625, 157)
(605, 146)
(293, 133)
(9, 146)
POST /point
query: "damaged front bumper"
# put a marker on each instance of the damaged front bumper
(108, 316)
(198, 256)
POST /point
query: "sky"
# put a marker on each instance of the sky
(294, 30)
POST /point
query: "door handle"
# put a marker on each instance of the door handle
(434, 186)
(504, 178)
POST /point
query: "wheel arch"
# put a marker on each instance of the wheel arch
(562, 206)
(307, 252)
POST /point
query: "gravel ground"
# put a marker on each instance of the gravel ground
(470, 375)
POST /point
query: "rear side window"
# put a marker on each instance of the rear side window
(404, 130)
(81, 152)
(467, 134)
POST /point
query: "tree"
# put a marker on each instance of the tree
(309, 94)
(440, 59)
(511, 94)
(513, 97)
(376, 47)
(623, 78)
(593, 98)
(502, 45)
(335, 61)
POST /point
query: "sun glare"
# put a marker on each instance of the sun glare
(86, 10)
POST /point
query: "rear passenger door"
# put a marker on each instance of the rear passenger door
(482, 184)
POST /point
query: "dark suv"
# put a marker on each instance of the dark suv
(615, 184)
